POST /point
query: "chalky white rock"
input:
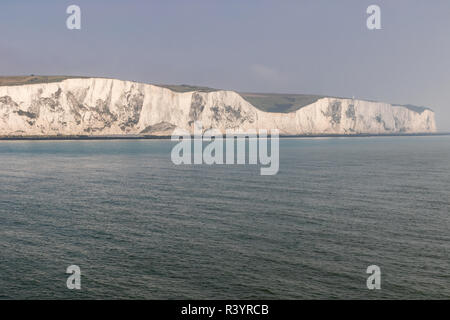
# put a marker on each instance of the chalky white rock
(104, 107)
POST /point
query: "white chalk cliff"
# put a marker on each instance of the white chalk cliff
(97, 106)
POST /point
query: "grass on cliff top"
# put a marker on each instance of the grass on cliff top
(269, 102)
(186, 88)
(283, 103)
(32, 79)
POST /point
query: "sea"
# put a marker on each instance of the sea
(140, 227)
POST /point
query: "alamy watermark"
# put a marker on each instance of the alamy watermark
(221, 150)
(74, 280)
(374, 20)
(374, 280)
(74, 20)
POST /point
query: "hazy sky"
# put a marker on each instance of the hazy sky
(321, 47)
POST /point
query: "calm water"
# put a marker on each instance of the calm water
(140, 227)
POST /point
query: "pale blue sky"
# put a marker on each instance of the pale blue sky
(319, 46)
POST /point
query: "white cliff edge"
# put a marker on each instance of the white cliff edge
(104, 107)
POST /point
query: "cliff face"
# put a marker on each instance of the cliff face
(96, 106)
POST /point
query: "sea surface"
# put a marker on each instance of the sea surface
(140, 227)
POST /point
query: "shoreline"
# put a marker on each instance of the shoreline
(150, 137)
